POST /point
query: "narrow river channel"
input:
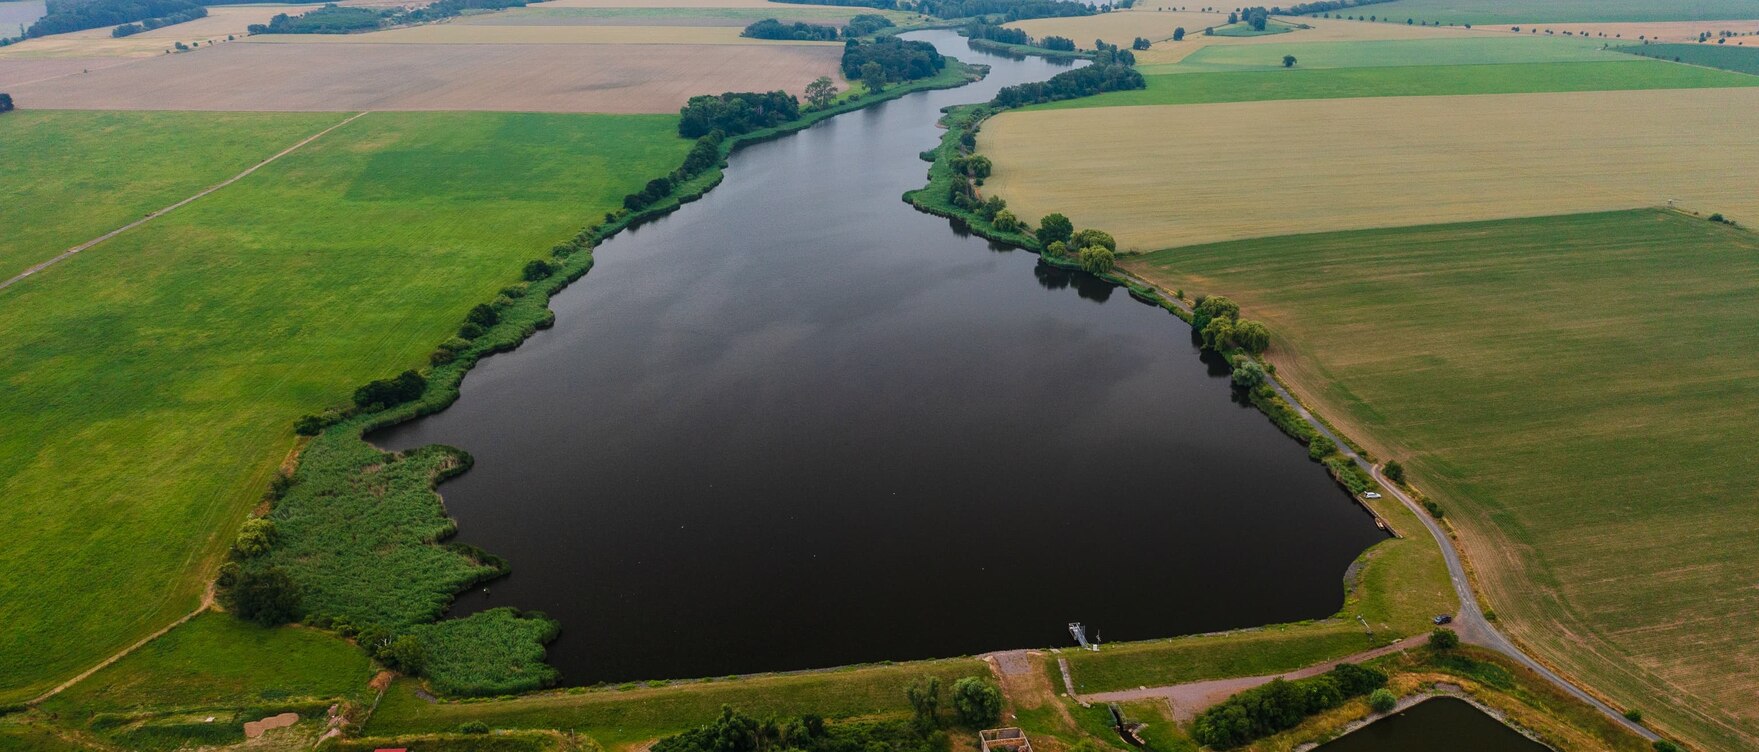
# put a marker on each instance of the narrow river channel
(798, 424)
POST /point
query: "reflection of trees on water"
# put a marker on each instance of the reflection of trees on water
(1086, 285)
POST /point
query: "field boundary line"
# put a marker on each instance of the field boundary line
(152, 215)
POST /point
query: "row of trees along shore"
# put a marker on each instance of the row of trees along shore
(799, 31)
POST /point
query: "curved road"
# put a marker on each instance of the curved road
(1469, 620)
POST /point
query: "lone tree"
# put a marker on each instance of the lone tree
(1444, 639)
(874, 76)
(821, 91)
(1382, 700)
(1395, 471)
(1055, 227)
(925, 702)
(978, 703)
(266, 596)
(1288, 61)
(1179, 34)
(5, 102)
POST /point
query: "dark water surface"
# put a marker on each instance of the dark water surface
(1444, 724)
(799, 424)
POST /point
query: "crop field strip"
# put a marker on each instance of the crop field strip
(544, 34)
(220, 23)
(1505, 12)
(1571, 390)
(1740, 59)
(153, 381)
(1413, 81)
(1322, 30)
(1166, 176)
(1389, 52)
(483, 77)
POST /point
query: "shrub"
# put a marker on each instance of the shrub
(5, 102)
(1279, 705)
(1395, 471)
(1663, 745)
(1057, 249)
(1444, 639)
(1097, 260)
(473, 727)
(387, 392)
(1382, 700)
(1247, 373)
(976, 702)
(537, 269)
(1434, 509)
(1251, 336)
(266, 596)
(308, 425)
(1634, 715)
(483, 315)
(1321, 447)
(1005, 221)
(254, 538)
(1091, 237)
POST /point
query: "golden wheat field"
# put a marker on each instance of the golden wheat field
(613, 78)
(1666, 31)
(1166, 176)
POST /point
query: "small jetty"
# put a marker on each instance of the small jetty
(1079, 632)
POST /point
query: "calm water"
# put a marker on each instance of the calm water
(1444, 724)
(799, 424)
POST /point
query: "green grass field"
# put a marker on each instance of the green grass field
(1724, 56)
(1340, 83)
(1575, 392)
(617, 718)
(1245, 30)
(1485, 12)
(1386, 53)
(153, 380)
(128, 164)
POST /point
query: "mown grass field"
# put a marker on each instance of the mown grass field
(620, 717)
(1726, 57)
(1417, 81)
(1574, 391)
(128, 165)
(1481, 50)
(152, 381)
(1485, 12)
(1165, 176)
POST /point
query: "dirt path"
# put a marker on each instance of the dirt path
(207, 603)
(1187, 700)
(1469, 621)
(1026, 685)
(64, 255)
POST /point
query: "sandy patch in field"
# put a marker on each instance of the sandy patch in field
(254, 729)
(1167, 176)
(496, 77)
(17, 71)
(449, 33)
(1666, 31)
(215, 27)
(1323, 30)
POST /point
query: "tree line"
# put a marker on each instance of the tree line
(798, 31)
(1280, 705)
(1324, 6)
(880, 4)
(976, 704)
(705, 153)
(65, 15)
(1081, 82)
(736, 112)
(894, 59)
(1011, 10)
(334, 19)
(130, 29)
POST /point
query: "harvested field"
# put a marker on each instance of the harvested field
(1581, 429)
(494, 77)
(17, 71)
(546, 15)
(1555, 11)
(448, 33)
(220, 23)
(674, 4)
(1323, 30)
(1483, 50)
(1165, 176)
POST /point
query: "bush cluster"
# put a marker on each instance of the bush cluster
(736, 112)
(798, 31)
(897, 59)
(406, 387)
(5, 102)
(1009, 10)
(1280, 705)
(865, 24)
(148, 24)
(1081, 82)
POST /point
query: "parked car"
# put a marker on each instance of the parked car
(1371, 495)
(1443, 619)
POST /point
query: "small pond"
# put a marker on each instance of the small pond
(1444, 724)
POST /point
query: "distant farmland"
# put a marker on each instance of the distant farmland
(1579, 394)
(1554, 11)
(507, 77)
(153, 380)
(1742, 59)
(1475, 50)
(1165, 176)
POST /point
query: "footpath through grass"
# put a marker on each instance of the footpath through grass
(152, 382)
(1575, 392)
(1413, 81)
(72, 176)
